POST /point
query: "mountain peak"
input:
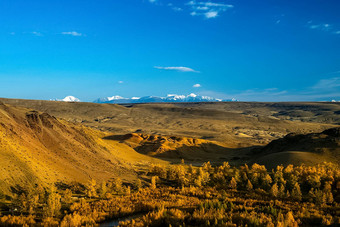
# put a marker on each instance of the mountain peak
(169, 98)
(192, 95)
(69, 98)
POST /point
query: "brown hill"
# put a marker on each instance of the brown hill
(175, 148)
(190, 130)
(310, 149)
(36, 147)
(236, 124)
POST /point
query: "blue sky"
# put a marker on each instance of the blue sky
(269, 50)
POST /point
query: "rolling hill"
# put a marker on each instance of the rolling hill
(295, 149)
(235, 124)
(175, 148)
(37, 148)
(103, 141)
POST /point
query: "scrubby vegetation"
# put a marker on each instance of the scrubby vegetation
(183, 195)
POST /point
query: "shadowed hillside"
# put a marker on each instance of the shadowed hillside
(296, 149)
(175, 148)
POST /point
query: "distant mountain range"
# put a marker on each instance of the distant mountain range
(169, 98)
(150, 99)
(67, 99)
(154, 99)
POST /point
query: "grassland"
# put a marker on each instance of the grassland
(75, 164)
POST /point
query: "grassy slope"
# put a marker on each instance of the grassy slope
(234, 124)
(38, 148)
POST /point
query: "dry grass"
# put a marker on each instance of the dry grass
(38, 148)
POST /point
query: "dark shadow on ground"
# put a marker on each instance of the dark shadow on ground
(195, 154)
(297, 149)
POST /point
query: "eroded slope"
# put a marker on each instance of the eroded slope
(36, 147)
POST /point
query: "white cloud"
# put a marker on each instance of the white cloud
(209, 4)
(202, 8)
(197, 85)
(177, 68)
(271, 89)
(120, 82)
(314, 26)
(211, 14)
(36, 33)
(177, 9)
(73, 33)
(322, 27)
(208, 9)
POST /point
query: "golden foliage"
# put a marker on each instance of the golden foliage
(195, 196)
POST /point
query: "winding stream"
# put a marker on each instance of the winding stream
(115, 222)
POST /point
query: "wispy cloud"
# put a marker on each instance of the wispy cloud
(278, 19)
(72, 33)
(336, 72)
(208, 9)
(196, 85)
(211, 14)
(175, 8)
(177, 68)
(120, 82)
(323, 90)
(323, 27)
(326, 84)
(36, 33)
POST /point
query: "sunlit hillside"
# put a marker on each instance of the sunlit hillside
(37, 148)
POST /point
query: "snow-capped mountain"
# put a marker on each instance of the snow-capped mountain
(68, 99)
(113, 99)
(169, 98)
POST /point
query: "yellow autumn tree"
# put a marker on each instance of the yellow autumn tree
(91, 188)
